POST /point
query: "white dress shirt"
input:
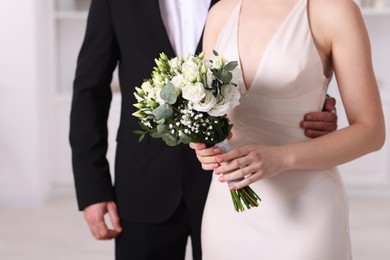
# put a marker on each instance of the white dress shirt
(184, 21)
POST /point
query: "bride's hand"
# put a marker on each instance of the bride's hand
(253, 163)
(206, 156)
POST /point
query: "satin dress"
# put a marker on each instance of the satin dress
(303, 214)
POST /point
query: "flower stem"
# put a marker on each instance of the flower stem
(244, 195)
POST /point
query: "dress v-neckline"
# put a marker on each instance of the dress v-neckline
(272, 39)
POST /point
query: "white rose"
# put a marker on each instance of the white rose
(236, 75)
(177, 81)
(206, 104)
(190, 70)
(193, 92)
(232, 95)
(227, 101)
(221, 108)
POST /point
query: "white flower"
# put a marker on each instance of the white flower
(147, 87)
(151, 95)
(158, 97)
(186, 120)
(175, 63)
(218, 62)
(227, 101)
(232, 95)
(210, 77)
(190, 70)
(177, 81)
(194, 92)
(221, 108)
(206, 104)
(237, 74)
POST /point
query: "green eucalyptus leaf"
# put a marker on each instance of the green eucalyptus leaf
(161, 121)
(168, 93)
(215, 53)
(144, 127)
(141, 137)
(185, 139)
(138, 132)
(155, 134)
(226, 77)
(169, 139)
(230, 66)
(162, 128)
(162, 112)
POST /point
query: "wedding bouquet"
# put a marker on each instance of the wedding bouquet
(187, 100)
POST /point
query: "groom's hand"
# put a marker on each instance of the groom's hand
(94, 215)
(317, 124)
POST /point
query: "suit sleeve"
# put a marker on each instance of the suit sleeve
(90, 108)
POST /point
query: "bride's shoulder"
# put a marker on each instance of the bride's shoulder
(335, 10)
(332, 18)
(221, 11)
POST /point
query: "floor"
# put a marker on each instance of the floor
(57, 231)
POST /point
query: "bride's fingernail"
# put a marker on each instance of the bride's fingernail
(219, 159)
(221, 179)
(233, 187)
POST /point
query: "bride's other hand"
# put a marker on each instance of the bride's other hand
(253, 163)
(206, 156)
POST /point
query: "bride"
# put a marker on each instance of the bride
(288, 51)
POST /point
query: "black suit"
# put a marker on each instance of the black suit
(151, 179)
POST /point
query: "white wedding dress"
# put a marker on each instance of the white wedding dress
(303, 214)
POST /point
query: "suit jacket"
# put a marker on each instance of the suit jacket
(150, 178)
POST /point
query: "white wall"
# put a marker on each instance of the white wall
(23, 176)
(34, 150)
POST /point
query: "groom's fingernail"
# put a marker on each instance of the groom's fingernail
(217, 150)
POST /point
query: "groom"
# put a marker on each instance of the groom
(159, 193)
